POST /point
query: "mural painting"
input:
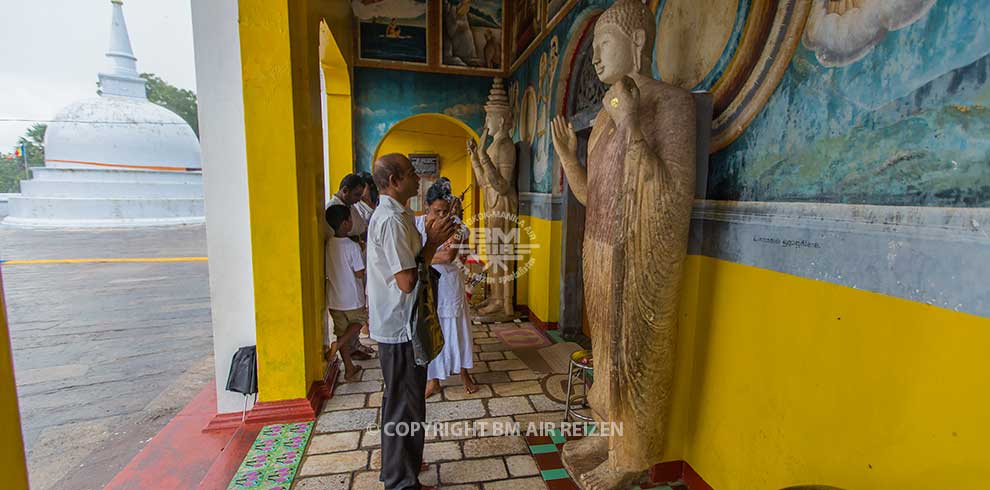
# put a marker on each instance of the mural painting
(389, 96)
(549, 62)
(525, 25)
(882, 117)
(472, 33)
(392, 30)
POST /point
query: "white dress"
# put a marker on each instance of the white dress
(456, 354)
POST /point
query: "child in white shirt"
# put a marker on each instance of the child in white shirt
(345, 290)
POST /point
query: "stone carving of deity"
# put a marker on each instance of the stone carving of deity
(495, 171)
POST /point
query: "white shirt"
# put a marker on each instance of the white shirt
(364, 210)
(344, 291)
(358, 223)
(450, 290)
(393, 243)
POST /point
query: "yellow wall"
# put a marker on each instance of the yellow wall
(283, 126)
(336, 70)
(443, 135)
(539, 288)
(12, 461)
(783, 381)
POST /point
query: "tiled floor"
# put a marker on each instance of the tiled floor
(344, 454)
(546, 452)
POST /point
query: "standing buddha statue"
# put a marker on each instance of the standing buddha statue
(638, 189)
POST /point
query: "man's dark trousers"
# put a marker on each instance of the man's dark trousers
(403, 412)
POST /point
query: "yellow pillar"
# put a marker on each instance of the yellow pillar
(12, 461)
(283, 122)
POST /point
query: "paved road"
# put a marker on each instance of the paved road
(104, 353)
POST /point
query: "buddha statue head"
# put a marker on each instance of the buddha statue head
(498, 111)
(624, 36)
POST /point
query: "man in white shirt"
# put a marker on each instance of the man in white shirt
(348, 194)
(394, 250)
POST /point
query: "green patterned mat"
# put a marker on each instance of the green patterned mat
(273, 459)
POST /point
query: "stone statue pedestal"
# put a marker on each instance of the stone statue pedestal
(578, 463)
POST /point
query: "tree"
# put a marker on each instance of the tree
(12, 167)
(177, 100)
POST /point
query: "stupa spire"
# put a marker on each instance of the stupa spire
(121, 77)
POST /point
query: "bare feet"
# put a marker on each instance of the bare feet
(354, 374)
(491, 308)
(360, 356)
(432, 387)
(605, 477)
(469, 386)
(590, 447)
(331, 352)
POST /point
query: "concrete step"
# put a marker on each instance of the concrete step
(28, 211)
(100, 175)
(110, 189)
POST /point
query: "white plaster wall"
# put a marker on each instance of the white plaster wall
(228, 227)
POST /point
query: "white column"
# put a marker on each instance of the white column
(225, 185)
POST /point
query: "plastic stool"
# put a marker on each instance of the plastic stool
(581, 365)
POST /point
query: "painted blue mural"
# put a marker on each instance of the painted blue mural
(544, 171)
(385, 97)
(908, 123)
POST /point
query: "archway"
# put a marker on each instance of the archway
(579, 93)
(335, 96)
(445, 137)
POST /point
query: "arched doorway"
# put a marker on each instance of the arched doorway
(579, 95)
(445, 137)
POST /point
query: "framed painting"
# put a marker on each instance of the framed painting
(526, 25)
(472, 33)
(556, 9)
(392, 30)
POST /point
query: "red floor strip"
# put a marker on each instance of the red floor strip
(181, 456)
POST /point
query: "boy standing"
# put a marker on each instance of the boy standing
(345, 293)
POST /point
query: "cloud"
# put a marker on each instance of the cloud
(840, 40)
(400, 9)
(463, 111)
(366, 111)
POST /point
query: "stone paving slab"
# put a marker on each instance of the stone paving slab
(346, 420)
(476, 452)
(326, 482)
(334, 443)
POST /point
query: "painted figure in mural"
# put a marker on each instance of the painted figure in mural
(635, 241)
(459, 37)
(495, 171)
(548, 73)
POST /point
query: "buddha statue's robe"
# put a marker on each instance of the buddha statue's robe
(639, 197)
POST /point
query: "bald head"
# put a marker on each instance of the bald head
(395, 177)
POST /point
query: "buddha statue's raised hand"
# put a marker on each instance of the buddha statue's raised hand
(565, 142)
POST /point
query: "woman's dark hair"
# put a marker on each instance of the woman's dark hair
(337, 214)
(369, 181)
(439, 190)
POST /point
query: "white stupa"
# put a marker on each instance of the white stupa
(116, 159)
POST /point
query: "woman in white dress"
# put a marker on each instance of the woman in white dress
(457, 354)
